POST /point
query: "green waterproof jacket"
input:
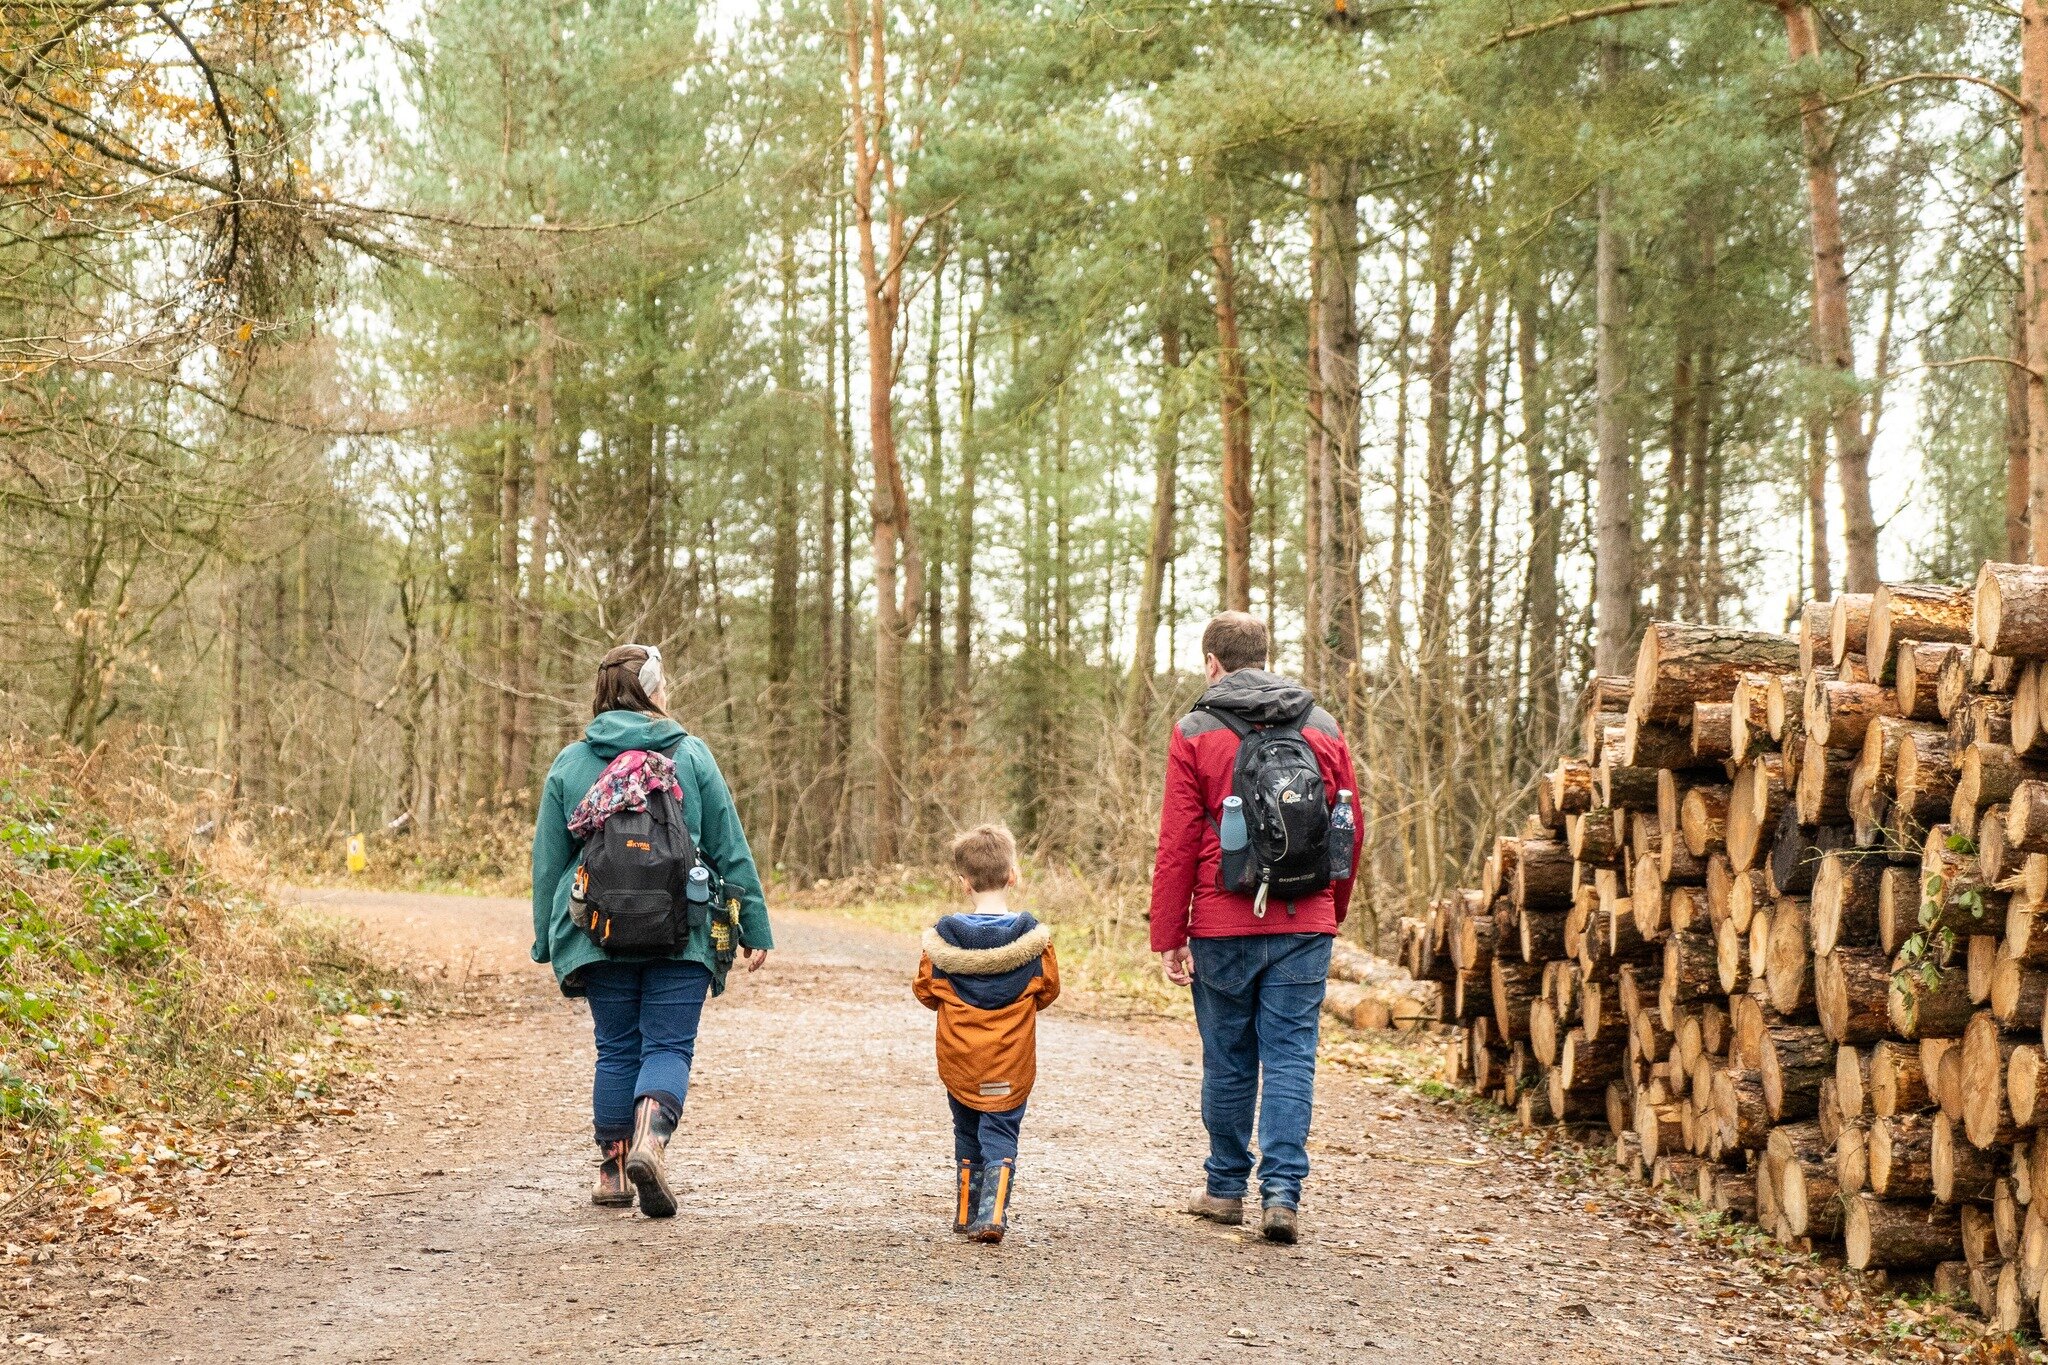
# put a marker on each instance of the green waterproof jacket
(707, 806)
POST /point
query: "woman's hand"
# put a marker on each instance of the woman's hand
(756, 958)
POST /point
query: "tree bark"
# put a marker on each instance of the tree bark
(1437, 530)
(1671, 536)
(1315, 620)
(963, 532)
(1159, 550)
(2018, 443)
(1817, 506)
(1545, 520)
(1237, 425)
(511, 614)
(1614, 578)
(1832, 328)
(2033, 121)
(1337, 358)
(895, 541)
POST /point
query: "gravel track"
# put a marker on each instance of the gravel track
(447, 1220)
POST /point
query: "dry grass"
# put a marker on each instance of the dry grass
(148, 995)
(482, 851)
(1099, 930)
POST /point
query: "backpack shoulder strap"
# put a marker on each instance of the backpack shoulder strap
(1237, 725)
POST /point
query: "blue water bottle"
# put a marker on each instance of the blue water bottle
(1236, 841)
(1343, 836)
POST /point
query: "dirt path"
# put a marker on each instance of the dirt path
(448, 1221)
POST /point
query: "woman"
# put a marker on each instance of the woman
(645, 1009)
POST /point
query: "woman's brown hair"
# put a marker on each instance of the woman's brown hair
(618, 683)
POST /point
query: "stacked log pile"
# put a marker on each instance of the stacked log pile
(1773, 927)
(1368, 992)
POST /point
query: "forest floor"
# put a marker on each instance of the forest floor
(447, 1219)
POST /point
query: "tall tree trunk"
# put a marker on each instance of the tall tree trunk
(963, 529)
(1315, 621)
(510, 615)
(2034, 257)
(1397, 542)
(1479, 530)
(1437, 531)
(831, 736)
(1062, 531)
(1159, 548)
(1237, 426)
(1337, 356)
(1706, 382)
(1614, 555)
(934, 480)
(1671, 536)
(542, 512)
(1831, 311)
(1545, 531)
(895, 540)
(2018, 487)
(1817, 508)
(784, 562)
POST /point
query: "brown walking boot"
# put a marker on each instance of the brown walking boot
(612, 1190)
(647, 1158)
(1229, 1212)
(1279, 1225)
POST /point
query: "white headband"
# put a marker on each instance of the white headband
(650, 672)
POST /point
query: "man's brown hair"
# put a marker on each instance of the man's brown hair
(986, 856)
(1237, 639)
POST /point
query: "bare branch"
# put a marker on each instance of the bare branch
(1584, 16)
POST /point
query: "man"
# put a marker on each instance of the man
(1257, 964)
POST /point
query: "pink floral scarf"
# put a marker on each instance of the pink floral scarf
(623, 785)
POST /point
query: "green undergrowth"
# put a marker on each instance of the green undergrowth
(1099, 930)
(146, 1000)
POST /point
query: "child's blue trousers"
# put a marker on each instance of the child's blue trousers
(979, 1136)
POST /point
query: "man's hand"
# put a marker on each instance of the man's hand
(1178, 964)
(757, 958)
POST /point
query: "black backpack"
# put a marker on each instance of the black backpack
(633, 892)
(1286, 813)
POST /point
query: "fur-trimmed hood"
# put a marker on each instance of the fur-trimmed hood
(985, 945)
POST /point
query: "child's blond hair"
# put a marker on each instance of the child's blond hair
(986, 856)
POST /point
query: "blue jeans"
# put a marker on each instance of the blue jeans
(984, 1137)
(1258, 1004)
(646, 1015)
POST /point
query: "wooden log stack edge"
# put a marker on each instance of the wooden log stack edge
(1791, 967)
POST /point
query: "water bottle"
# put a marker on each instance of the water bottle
(1236, 841)
(1343, 836)
(699, 888)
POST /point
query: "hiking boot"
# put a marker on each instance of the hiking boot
(970, 1193)
(647, 1158)
(1279, 1225)
(612, 1190)
(1217, 1209)
(992, 1201)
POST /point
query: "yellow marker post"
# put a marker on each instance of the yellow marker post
(358, 859)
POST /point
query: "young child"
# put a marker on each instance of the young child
(988, 973)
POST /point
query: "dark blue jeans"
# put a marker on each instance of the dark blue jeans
(646, 1015)
(1258, 1004)
(984, 1137)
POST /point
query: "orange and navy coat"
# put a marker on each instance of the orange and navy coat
(988, 976)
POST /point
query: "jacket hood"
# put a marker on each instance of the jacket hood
(1258, 697)
(613, 732)
(985, 945)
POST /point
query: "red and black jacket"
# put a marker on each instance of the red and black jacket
(1200, 759)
